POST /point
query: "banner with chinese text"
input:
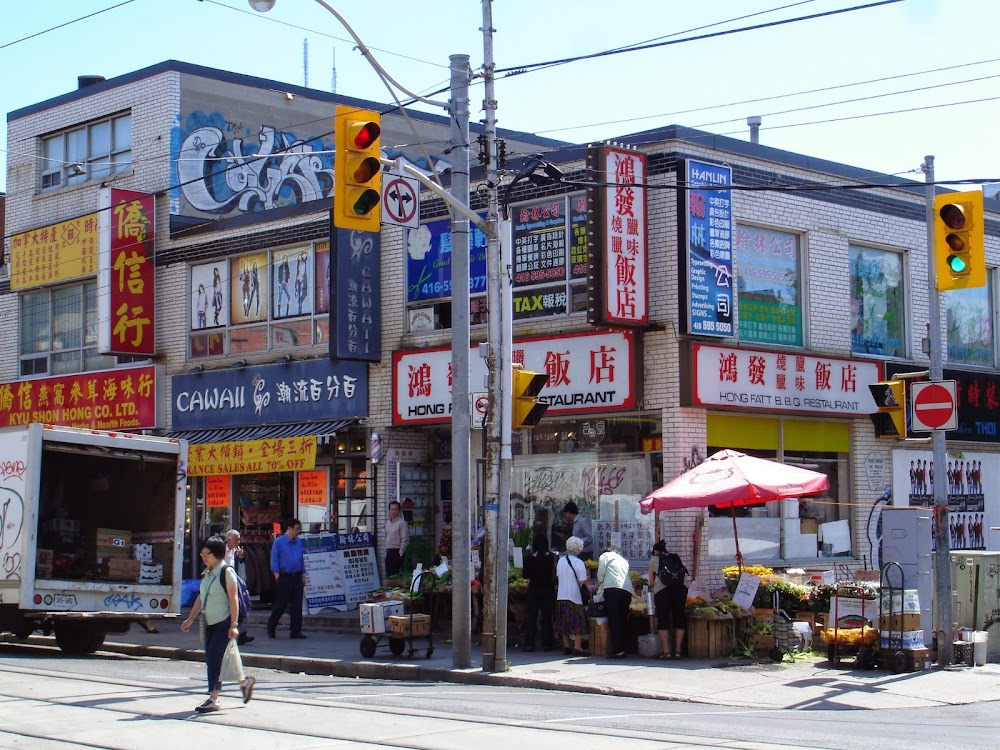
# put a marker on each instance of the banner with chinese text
(341, 570)
(706, 242)
(125, 274)
(252, 456)
(57, 252)
(123, 399)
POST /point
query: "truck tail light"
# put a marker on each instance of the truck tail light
(164, 603)
(37, 599)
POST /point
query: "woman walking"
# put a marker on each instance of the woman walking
(570, 618)
(221, 609)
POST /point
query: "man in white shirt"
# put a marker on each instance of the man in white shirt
(234, 552)
(397, 538)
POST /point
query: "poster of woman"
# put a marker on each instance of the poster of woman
(208, 295)
(250, 288)
(322, 277)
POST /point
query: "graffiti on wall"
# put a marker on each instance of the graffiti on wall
(221, 172)
(11, 515)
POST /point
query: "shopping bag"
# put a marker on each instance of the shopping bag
(232, 664)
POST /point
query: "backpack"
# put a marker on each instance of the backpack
(672, 570)
(242, 593)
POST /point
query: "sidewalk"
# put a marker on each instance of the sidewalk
(333, 644)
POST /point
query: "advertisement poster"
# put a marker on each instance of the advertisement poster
(973, 493)
(341, 570)
(539, 233)
(428, 261)
(249, 288)
(709, 247)
(767, 270)
(57, 252)
(209, 296)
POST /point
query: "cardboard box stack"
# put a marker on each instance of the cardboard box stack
(374, 616)
(900, 628)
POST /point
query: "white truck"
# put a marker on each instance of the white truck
(91, 532)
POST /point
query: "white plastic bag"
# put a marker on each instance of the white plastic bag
(232, 664)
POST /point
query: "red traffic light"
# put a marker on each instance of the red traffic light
(953, 216)
(367, 135)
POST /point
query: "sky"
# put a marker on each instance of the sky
(942, 52)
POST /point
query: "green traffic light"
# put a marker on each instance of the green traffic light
(957, 264)
(368, 200)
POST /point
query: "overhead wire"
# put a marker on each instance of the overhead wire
(64, 25)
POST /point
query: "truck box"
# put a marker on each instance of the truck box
(76, 496)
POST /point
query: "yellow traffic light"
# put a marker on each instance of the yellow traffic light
(357, 171)
(526, 411)
(890, 419)
(959, 252)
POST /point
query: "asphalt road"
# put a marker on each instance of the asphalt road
(50, 701)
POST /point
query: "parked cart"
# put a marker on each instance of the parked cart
(404, 628)
(850, 634)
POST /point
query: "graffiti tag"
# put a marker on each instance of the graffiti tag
(123, 601)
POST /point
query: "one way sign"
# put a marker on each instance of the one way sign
(400, 200)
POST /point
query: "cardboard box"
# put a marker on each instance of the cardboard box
(808, 526)
(150, 573)
(401, 625)
(120, 569)
(600, 637)
(917, 659)
(142, 553)
(897, 622)
(105, 543)
(374, 616)
(44, 556)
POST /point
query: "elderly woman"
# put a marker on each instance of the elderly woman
(221, 608)
(616, 588)
(570, 617)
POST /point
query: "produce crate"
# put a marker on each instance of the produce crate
(600, 637)
(399, 625)
(710, 639)
(761, 644)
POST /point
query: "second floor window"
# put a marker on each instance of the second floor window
(971, 334)
(86, 152)
(878, 302)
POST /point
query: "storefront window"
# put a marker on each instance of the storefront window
(766, 266)
(786, 529)
(878, 306)
(971, 338)
(605, 465)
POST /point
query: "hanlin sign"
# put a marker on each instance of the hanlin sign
(619, 285)
(706, 241)
(125, 273)
(57, 252)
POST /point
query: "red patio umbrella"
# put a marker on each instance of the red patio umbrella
(730, 478)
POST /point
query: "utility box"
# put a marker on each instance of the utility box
(906, 539)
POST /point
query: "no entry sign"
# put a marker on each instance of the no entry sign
(934, 406)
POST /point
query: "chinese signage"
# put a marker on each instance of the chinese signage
(973, 500)
(588, 372)
(58, 252)
(125, 273)
(550, 256)
(619, 281)
(978, 403)
(252, 456)
(341, 570)
(270, 394)
(750, 379)
(123, 399)
(706, 241)
(312, 487)
(767, 270)
(428, 261)
(217, 491)
(355, 292)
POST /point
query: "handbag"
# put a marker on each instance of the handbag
(585, 596)
(597, 609)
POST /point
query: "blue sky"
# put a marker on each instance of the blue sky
(705, 84)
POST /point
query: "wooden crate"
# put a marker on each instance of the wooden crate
(600, 637)
(710, 639)
(761, 644)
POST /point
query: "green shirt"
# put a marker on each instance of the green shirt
(214, 598)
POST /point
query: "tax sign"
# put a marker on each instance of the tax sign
(934, 406)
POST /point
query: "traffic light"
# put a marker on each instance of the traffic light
(890, 419)
(357, 171)
(526, 411)
(959, 250)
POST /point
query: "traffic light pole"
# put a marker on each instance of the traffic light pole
(942, 536)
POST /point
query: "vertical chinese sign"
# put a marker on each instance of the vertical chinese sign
(355, 296)
(707, 243)
(125, 273)
(619, 288)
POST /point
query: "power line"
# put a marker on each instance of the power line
(64, 25)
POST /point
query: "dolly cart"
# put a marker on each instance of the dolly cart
(849, 637)
(892, 582)
(404, 629)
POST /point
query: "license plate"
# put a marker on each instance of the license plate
(64, 600)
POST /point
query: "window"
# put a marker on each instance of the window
(87, 152)
(59, 331)
(878, 302)
(769, 295)
(260, 302)
(971, 335)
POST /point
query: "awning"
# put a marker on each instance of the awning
(261, 432)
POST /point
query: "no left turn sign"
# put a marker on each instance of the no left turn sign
(400, 200)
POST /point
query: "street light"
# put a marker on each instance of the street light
(262, 6)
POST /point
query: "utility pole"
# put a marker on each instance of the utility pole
(495, 542)
(942, 537)
(461, 417)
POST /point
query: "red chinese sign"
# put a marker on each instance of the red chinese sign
(622, 282)
(126, 292)
(58, 252)
(123, 399)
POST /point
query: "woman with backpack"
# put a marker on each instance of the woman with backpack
(540, 571)
(669, 597)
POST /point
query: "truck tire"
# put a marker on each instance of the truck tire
(78, 641)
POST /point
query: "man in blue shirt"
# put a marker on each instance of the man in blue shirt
(286, 565)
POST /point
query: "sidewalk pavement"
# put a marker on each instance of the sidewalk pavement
(333, 648)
